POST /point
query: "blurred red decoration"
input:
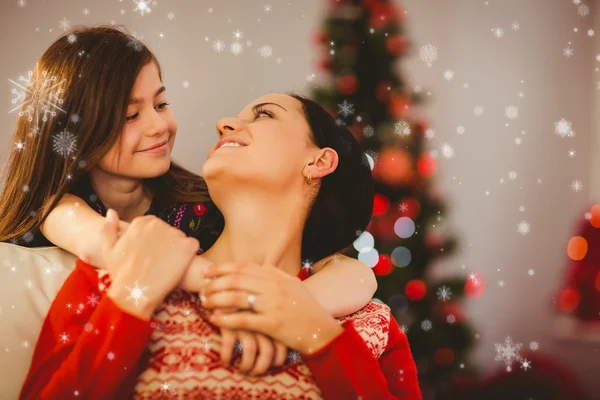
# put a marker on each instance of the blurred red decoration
(380, 204)
(475, 285)
(325, 64)
(396, 44)
(595, 219)
(320, 37)
(382, 14)
(426, 165)
(444, 356)
(384, 266)
(347, 84)
(415, 289)
(598, 281)
(577, 248)
(394, 166)
(399, 105)
(383, 92)
(454, 309)
(410, 208)
(568, 300)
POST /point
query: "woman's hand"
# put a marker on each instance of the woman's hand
(282, 308)
(150, 255)
(259, 352)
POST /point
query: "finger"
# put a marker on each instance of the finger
(110, 228)
(194, 280)
(280, 354)
(266, 351)
(228, 338)
(237, 299)
(245, 320)
(249, 348)
(236, 282)
(227, 268)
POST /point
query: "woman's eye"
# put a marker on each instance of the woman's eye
(132, 117)
(162, 106)
(258, 113)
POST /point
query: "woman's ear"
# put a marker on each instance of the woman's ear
(325, 162)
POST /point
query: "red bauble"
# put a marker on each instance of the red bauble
(396, 44)
(325, 64)
(382, 92)
(415, 289)
(347, 84)
(382, 14)
(399, 105)
(380, 205)
(577, 248)
(568, 300)
(475, 285)
(444, 356)
(384, 266)
(455, 309)
(394, 166)
(410, 208)
(595, 219)
(320, 37)
(426, 165)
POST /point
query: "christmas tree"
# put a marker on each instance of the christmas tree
(362, 42)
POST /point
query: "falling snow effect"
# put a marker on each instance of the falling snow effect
(64, 143)
(218, 46)
(511, 112)
(136, 293)
(345, 109)
(448, 75)
(236, 48)
(402, 128)
(498, 32)
(143, 6)
(447, 151)
(563, 128)
(577, 186)
(266, 51)
(508, 352)
(523, 228)
(38, 96)
(426, 325)
(444, 293)
(568, 52)
(428, 54)
(64, 24)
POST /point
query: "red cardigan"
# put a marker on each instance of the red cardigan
(89, 348)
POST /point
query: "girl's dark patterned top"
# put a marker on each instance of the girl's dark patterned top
(199, 220)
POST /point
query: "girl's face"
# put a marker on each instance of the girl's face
(144, 148)
(274, 144)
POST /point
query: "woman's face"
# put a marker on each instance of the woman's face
(150, 123)
(273, 144)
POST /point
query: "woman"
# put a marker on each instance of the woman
(269, 217)
(98, 147)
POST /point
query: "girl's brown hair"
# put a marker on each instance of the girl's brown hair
(85, 77)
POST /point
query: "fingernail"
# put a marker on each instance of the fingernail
(202, 298)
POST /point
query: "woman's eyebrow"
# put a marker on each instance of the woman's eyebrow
(257, 106)
(135, 100)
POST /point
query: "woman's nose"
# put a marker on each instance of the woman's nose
(229, 125)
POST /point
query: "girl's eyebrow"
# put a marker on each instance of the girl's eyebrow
(135, 100)
(256, 107)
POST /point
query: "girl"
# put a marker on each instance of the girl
(109, 146)
(322, 179)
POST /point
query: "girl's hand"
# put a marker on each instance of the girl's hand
(258, 352)
(283, 308)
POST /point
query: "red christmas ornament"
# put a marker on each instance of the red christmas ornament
(325, 64)
(475, 285)
(347, 84)
(380, 205)
(382, 14)
(415, 289)
(384, 266)
(444, 356)
(394, 166)
(410, 208)
(595, 219)
(399, 105)
(453, 309)
(383, 92)
(396, 44)
(426, 166)
(568, 300)
(320, 37)
(577, 248)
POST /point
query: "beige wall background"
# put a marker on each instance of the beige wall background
(486, 203)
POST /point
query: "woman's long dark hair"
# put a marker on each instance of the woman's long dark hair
(96, 69)
(343, 205)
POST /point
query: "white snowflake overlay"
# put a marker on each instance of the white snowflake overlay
(37, 97)
(509, 353)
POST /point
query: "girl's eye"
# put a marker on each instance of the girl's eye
(162, 106)
(132, 117)
(260, 112)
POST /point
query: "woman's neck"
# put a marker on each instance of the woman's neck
(265, 229)
(127, 196)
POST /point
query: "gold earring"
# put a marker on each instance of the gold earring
(309, 178)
